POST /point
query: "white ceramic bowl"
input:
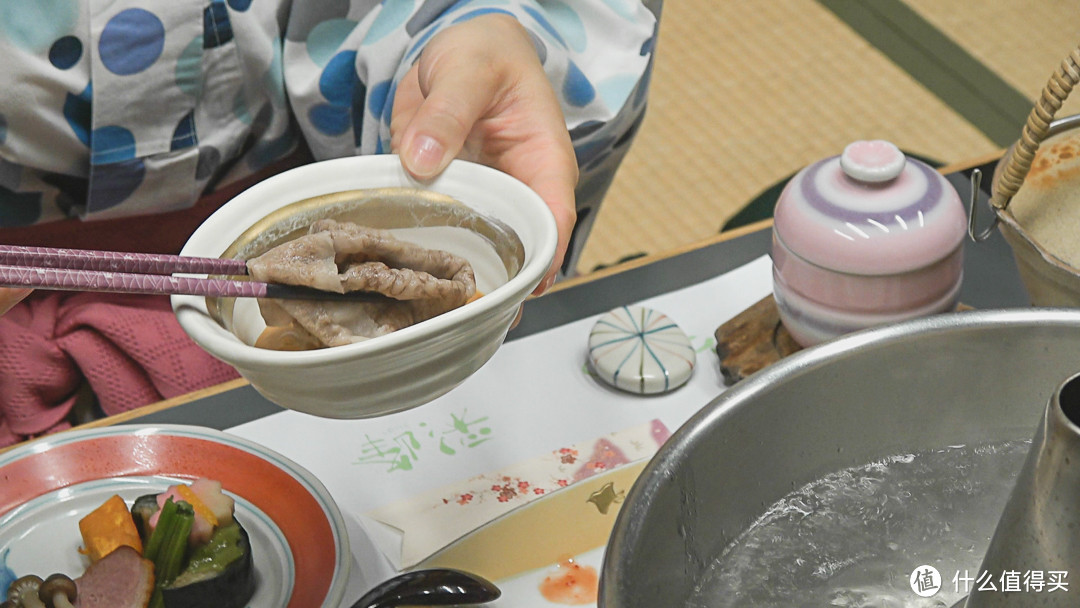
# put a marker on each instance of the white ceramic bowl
(511, 241)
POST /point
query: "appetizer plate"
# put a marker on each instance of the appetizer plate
(299, 540)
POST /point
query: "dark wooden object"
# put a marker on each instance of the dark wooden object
(755, 339)
(752, 340)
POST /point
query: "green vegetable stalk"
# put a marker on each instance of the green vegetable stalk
(153, 545)
(168, 544)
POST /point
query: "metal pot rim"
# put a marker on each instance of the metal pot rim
(630, 524)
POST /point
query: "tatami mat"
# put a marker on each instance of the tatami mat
(746, 93)
(1022, 41)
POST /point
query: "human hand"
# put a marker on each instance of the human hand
(10, 296)
(479, 92)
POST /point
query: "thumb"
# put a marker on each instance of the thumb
(455, 96)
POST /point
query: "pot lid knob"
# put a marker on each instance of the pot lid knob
(872, 161)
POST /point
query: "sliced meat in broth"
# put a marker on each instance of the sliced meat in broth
(341, 257)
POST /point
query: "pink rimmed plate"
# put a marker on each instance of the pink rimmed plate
(299, 540)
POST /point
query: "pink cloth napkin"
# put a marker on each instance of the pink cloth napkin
(129, 348)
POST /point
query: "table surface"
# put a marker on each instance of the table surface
(990, 281)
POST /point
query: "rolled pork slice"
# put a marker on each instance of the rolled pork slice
(339, 256)
(342, 256)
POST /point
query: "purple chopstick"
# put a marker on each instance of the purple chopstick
(122, 282)
(116, 261)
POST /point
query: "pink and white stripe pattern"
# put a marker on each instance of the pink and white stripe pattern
(831, 219)
(863, 239)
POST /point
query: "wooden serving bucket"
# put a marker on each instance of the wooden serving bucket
(1050, 213)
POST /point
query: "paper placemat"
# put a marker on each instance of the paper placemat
(435, 519)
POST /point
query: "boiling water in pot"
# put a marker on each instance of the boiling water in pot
(854, 537)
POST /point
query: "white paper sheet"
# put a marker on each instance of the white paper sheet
(431, 521)
(532, 397)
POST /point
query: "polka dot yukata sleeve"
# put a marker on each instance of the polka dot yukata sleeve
(127, 107)
(131, 107)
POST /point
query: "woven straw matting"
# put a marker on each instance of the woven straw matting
(1020, 40)
(746, 93)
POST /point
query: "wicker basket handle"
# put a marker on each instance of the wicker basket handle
(1016, 168)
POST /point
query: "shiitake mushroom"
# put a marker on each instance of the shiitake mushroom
(23, 593)
(58, 591)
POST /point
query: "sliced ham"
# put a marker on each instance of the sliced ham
(121, 579)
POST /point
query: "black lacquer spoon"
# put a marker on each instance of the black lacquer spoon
(435, 587)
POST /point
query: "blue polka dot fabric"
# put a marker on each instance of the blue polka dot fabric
(76, 110)
(111, 144)
(131, 41)
(143, 104)
(145, 74)
(217, 27)
(65, 52)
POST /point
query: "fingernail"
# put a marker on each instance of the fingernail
(427, 155)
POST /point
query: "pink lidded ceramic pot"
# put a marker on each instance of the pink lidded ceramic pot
(863, 239)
